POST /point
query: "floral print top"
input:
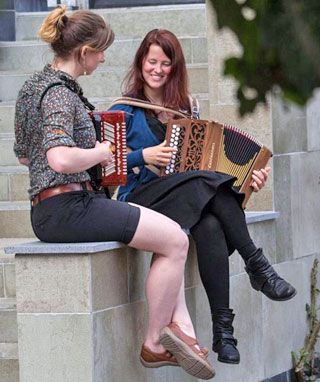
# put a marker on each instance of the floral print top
(50, 113)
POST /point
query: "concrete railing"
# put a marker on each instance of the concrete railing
(82, 313)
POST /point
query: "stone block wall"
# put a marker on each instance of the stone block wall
(297, 177)
(85, 311)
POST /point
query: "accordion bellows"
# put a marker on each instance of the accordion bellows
(111, 126)
(209, 145)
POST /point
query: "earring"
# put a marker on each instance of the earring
(84, 67)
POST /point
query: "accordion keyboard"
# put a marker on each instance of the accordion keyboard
(110, 126)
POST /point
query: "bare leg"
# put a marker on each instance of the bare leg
(159, 234)
(181, 314)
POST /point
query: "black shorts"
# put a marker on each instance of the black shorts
(83, 216)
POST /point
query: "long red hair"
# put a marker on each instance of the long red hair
(176, 87)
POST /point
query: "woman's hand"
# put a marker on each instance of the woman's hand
(159, 155)
(24, 161)
(105, 151)
(259, 178)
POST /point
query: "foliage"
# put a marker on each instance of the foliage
(281, 48)
(306, 363)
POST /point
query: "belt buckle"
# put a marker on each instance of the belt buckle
(35, 200)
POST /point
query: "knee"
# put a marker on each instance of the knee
(208, 226)
(179, 244)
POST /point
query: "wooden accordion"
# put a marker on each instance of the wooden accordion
(209, 145)
(111, 126)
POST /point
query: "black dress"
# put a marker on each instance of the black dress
(182, 197)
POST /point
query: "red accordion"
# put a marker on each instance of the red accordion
(111, 126)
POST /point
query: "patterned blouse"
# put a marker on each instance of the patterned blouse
(50, 113)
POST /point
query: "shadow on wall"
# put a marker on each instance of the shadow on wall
(136, 3)
(31, 5)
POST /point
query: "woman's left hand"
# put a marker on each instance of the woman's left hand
(259, 178)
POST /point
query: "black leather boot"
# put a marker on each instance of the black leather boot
(223, 341)
(264, 278)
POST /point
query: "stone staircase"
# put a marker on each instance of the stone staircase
(18, 60)
(9, 364)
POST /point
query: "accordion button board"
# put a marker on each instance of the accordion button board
(212, 146)
(111, 126)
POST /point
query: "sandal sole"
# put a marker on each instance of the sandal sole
(188, 360)
(153, 365)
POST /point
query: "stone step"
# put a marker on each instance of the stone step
(7, 272)
(7, 278)
(8, 157)
(15, 220)
(33, 55)
(7, 117)
(14, 183)
(102, 83)
(8, 321)
(8, 303)
(9, 363)
(183, 20)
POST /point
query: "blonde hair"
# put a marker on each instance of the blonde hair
(67, 34)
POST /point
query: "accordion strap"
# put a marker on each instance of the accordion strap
(194, 107)
(146, 105)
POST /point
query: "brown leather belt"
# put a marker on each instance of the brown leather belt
(53, 191)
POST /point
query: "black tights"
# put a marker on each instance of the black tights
(221, 229)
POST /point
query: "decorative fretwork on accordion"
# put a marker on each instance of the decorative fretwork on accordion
(111, 126)
(208, 145)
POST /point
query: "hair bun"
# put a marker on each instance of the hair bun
(50, 30)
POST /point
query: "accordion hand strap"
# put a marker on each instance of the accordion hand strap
(194, 107)
(146, 105)
(150, 167)
(153, 169)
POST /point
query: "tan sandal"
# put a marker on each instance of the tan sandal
(185, 349)
(150, 359)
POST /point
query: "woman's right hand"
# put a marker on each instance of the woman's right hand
(105, 152)
(159, 155)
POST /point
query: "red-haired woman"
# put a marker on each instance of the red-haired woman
(56, 139)
(202, 201)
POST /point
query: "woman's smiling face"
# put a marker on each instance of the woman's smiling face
(156, 67)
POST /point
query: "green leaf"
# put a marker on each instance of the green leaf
(294, 356)
(281, 47)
